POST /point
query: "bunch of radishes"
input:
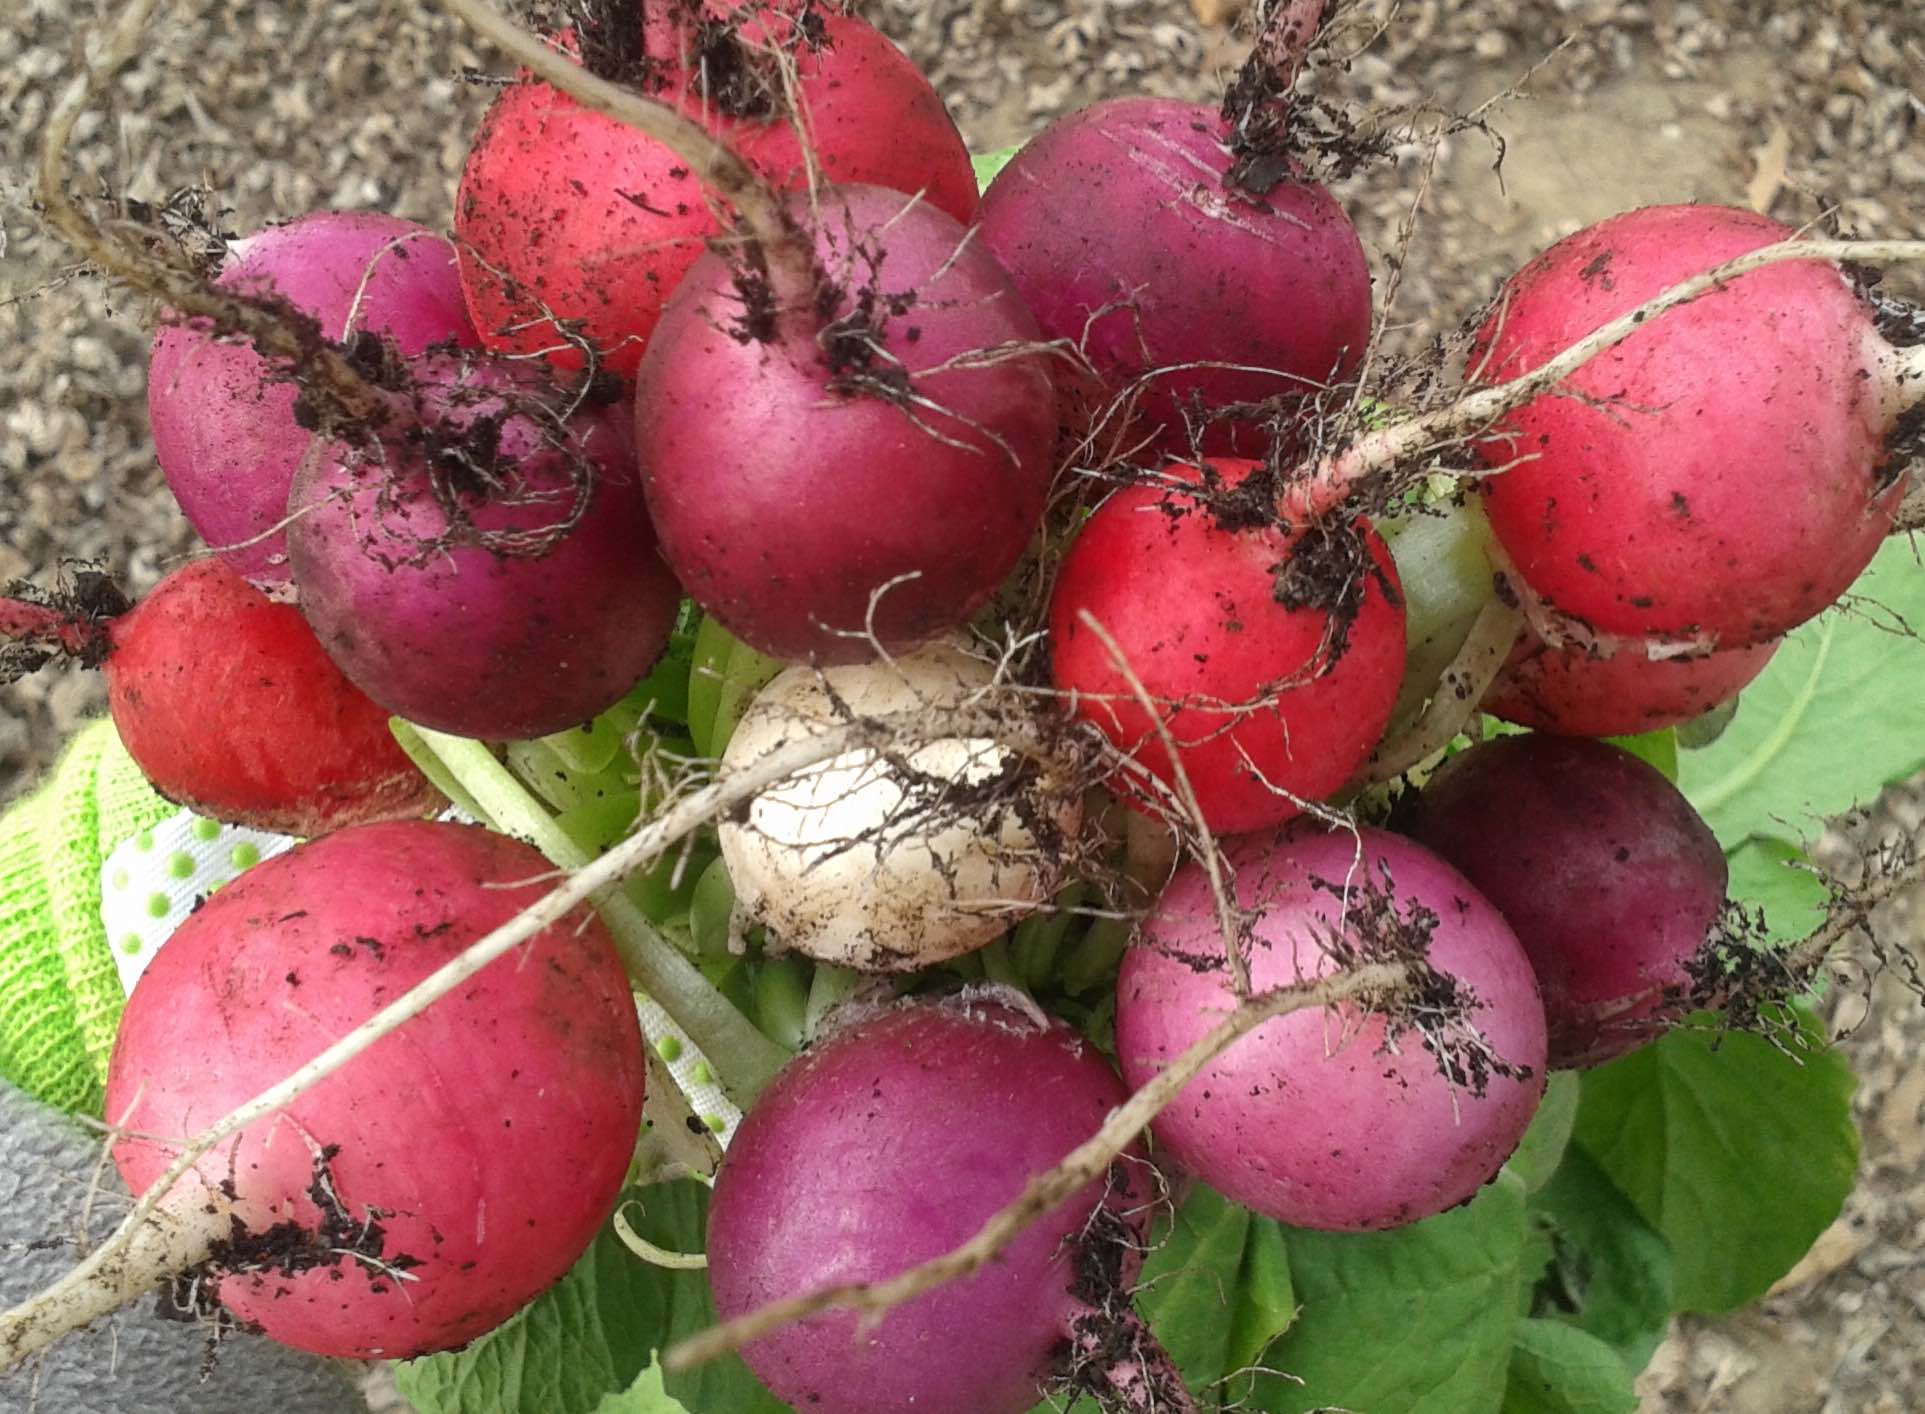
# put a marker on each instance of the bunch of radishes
(1030, 546)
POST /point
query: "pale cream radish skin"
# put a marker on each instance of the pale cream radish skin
(866, 864)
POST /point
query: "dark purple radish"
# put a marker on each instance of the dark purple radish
(225, 430)
(892, 1142)
(1314, 1118)
(1124, 236)
(1567, 691)
(1612, 881)
(870, 454)
(487, 569)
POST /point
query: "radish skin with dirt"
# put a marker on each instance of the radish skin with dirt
(1572, 693)
(890, 863)
(1324, 1118)
(446, 1176)
(891, 1142)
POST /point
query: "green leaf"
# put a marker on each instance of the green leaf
(1415, 1321)
(1611, 1273)
(990, 163)
(1765, 874)
(1659, 748)
(646, 1396)
(590, 1336)
(1835, 716)
(1216, 1287)
(1739, 1153)
(1542, 1147)
(1559, 1369)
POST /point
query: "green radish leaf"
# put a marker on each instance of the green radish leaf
(990, 163)
(1216, 1287)
(590, 1336)
(1542, 1148)
(1416, 1321)
(724, 675)
(646, 1396)
(1559, 1369)
(1834, 718)
(1611, 1272)
(1766, 874)
(1737, 1152)
(1659, 748)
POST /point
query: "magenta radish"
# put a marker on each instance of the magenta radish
(1273, 658)
(1125, 236)
(1722, 475)
(228, 705)
(893, 1141)
(435, 1184)
(873, 455)
(1321, 1118)
(566, 214)
(226, 432)
(1568, 691)
(1611, 880)
(488, 568)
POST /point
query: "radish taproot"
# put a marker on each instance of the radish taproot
(858, 462)
(964, 1101)
(227, 430)
(1336, 1118)
(1612, 882)
(228, 704)
(565, 214)
(441, 1179)
(485, 567)
(889, 861)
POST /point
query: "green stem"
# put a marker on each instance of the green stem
(829, 988)
(782, 1001)
(1096, 954)
(998, 966)
(1039, 937)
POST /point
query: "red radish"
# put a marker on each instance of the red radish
(1565, 690)
(226, 432)
(1125, 236)
(886, 449)
(489, 570)
(1273, 658)
(229, 706)
(1722, 476)
(1611, 880)
(442, 1179)
(1321, 1118)
(564, 214)
(892, 1142)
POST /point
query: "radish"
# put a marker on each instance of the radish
(486, 567)
(440, 1180)
(1611, 880)
(567, 215)
(887, 862)
(1330, 1118)
(1723, 475)
(228, 704)
(227, 431)
(1273, 657)
(1569, 691)
(1134, 230)
(860, 458)
(891, 1142)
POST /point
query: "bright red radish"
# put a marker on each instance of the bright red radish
(1273, 658)
(229, 706)
(443, 1178)
(892, 1142)
(1722, 476)
(1124, 237)
(1314, 1119)
(564, 214)
(1611, 880)
(226, 433)
(1565, 690)
(875, 456)
(490, 570)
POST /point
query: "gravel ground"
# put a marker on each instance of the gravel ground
(357, 103)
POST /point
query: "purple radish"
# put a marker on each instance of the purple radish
(225, 430)
(1610, 878)
(488, 569)
(1320, 1118)
(892, 1142)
